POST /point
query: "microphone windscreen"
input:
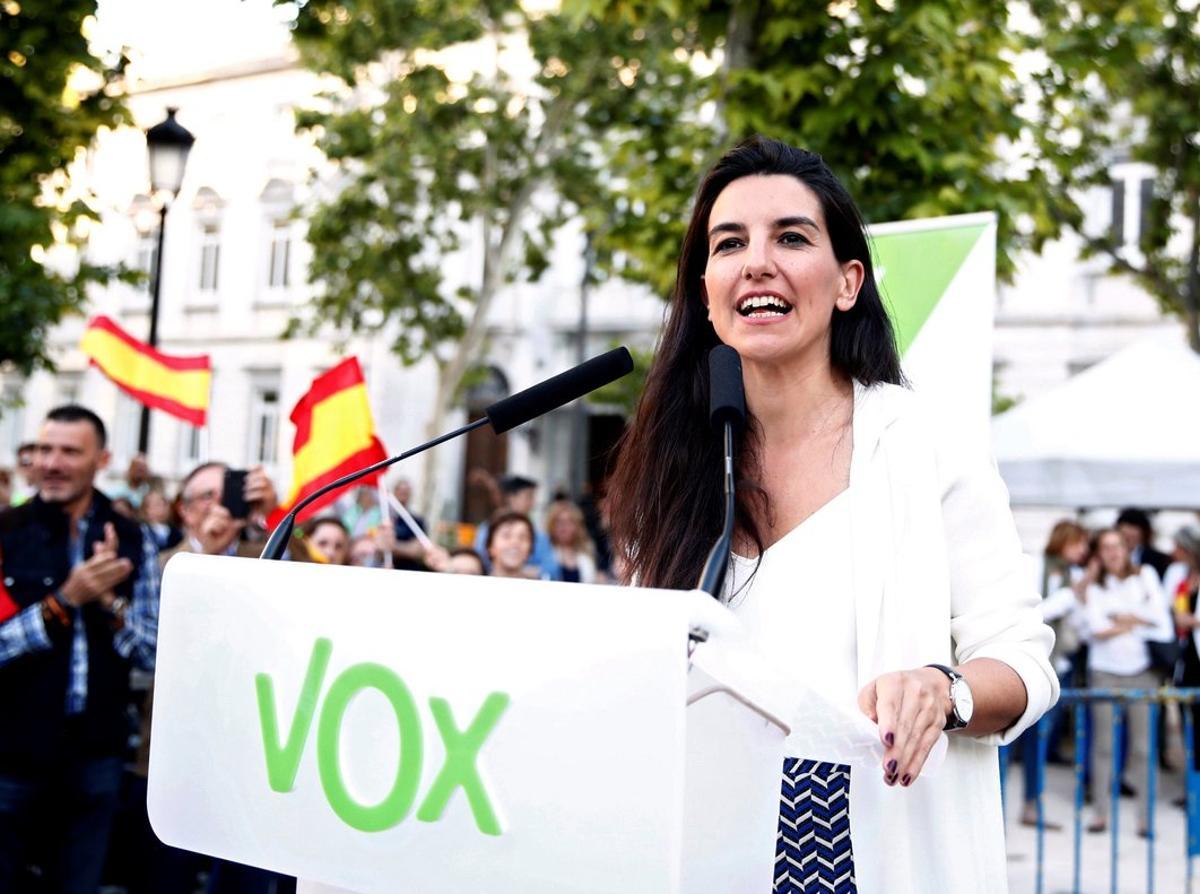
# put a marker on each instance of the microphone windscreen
(561, 389)
(726, 395)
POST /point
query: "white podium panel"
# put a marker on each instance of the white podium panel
(388, 731)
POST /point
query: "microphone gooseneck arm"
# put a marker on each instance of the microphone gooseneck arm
(727, 414)
(503, 415)
(278, 540)
(712, 579)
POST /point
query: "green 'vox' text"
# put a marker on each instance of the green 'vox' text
(462, 746)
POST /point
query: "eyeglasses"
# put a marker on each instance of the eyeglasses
(206, 496)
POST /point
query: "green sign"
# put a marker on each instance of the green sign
(462, 746)
(914, 268)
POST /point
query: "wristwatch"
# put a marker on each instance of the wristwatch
(962, 702)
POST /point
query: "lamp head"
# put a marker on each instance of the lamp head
(168, 143)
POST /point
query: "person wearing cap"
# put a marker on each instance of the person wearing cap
(1134, 525)
(518, 493)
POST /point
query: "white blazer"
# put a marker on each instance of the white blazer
(938, 576)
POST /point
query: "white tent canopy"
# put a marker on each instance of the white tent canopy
(1123, 432)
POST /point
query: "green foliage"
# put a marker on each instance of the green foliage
(1123, 81)
(914, 106)
(625, 391)
(423, 158)
(44, 122)
(1002, 403)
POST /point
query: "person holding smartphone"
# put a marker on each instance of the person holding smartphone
(219, 506)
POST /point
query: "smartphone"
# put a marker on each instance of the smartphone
(233, 493)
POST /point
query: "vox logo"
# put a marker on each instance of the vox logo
(462, 746)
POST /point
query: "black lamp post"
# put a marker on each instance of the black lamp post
(168, 143)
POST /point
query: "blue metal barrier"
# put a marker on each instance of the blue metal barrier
(1078, 701)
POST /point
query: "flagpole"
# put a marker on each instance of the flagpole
(385, 517)
(407, 517)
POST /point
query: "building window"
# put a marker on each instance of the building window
(278, 276)
(191, 446)
(1132, 198)
(12, 418)
(210, 257)
(128, 423)
(146, 221)
(208, 208)
(147, 254)
(278, 200)
(264, 421)
(69, 384)
(1118, 212)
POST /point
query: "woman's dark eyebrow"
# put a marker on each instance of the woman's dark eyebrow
(726, 228)
(782, 223)
(797, 221)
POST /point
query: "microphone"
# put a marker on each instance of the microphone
(727, 413)
(726, 394)
(561, 389)
(503, 415)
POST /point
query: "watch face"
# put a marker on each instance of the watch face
(964, 701)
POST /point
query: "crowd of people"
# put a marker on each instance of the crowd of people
(80, 569)
(1125, 616)
(79, 603)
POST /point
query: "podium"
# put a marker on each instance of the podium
(375, 731)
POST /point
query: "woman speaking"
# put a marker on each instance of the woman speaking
(874, 559)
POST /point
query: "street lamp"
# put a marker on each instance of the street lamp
(168, 143)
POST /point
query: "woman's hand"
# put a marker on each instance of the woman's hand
(910, 708)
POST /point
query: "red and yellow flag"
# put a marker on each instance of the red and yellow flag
(335, 435)
(175, 385)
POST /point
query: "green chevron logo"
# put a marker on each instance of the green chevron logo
(913, 270)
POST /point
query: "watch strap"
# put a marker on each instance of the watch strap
(954, 721)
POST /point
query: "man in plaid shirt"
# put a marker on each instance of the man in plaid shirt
(78, 609)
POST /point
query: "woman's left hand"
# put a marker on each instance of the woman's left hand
(910, 708)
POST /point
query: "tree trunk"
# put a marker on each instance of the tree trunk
(1191, 290)
(497, 254)
(739, 36)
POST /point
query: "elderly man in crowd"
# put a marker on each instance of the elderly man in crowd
(208, 526)
(78, 609)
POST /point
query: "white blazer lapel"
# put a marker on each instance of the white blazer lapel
(872, 539)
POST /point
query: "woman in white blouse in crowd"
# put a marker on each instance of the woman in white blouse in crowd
(1125, 610)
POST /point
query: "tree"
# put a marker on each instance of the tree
(1122, 79)
(422, 155)
(54, 96)
(914, 105)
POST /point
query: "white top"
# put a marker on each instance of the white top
(937, 575)
(1139, 594)
(799, 607)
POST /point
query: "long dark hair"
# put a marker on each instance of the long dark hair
(665, 496)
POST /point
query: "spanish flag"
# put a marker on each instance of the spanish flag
(335, 435)
(175, 385)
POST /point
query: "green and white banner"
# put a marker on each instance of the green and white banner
(938, 280)
(378, 731)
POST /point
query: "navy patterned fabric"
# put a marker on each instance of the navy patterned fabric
(813, 853)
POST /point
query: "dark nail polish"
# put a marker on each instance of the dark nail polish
(906, 780)
(890, 779)
(890, 739)
(891, 767)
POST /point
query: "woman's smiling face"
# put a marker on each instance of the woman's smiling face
(772, 282)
